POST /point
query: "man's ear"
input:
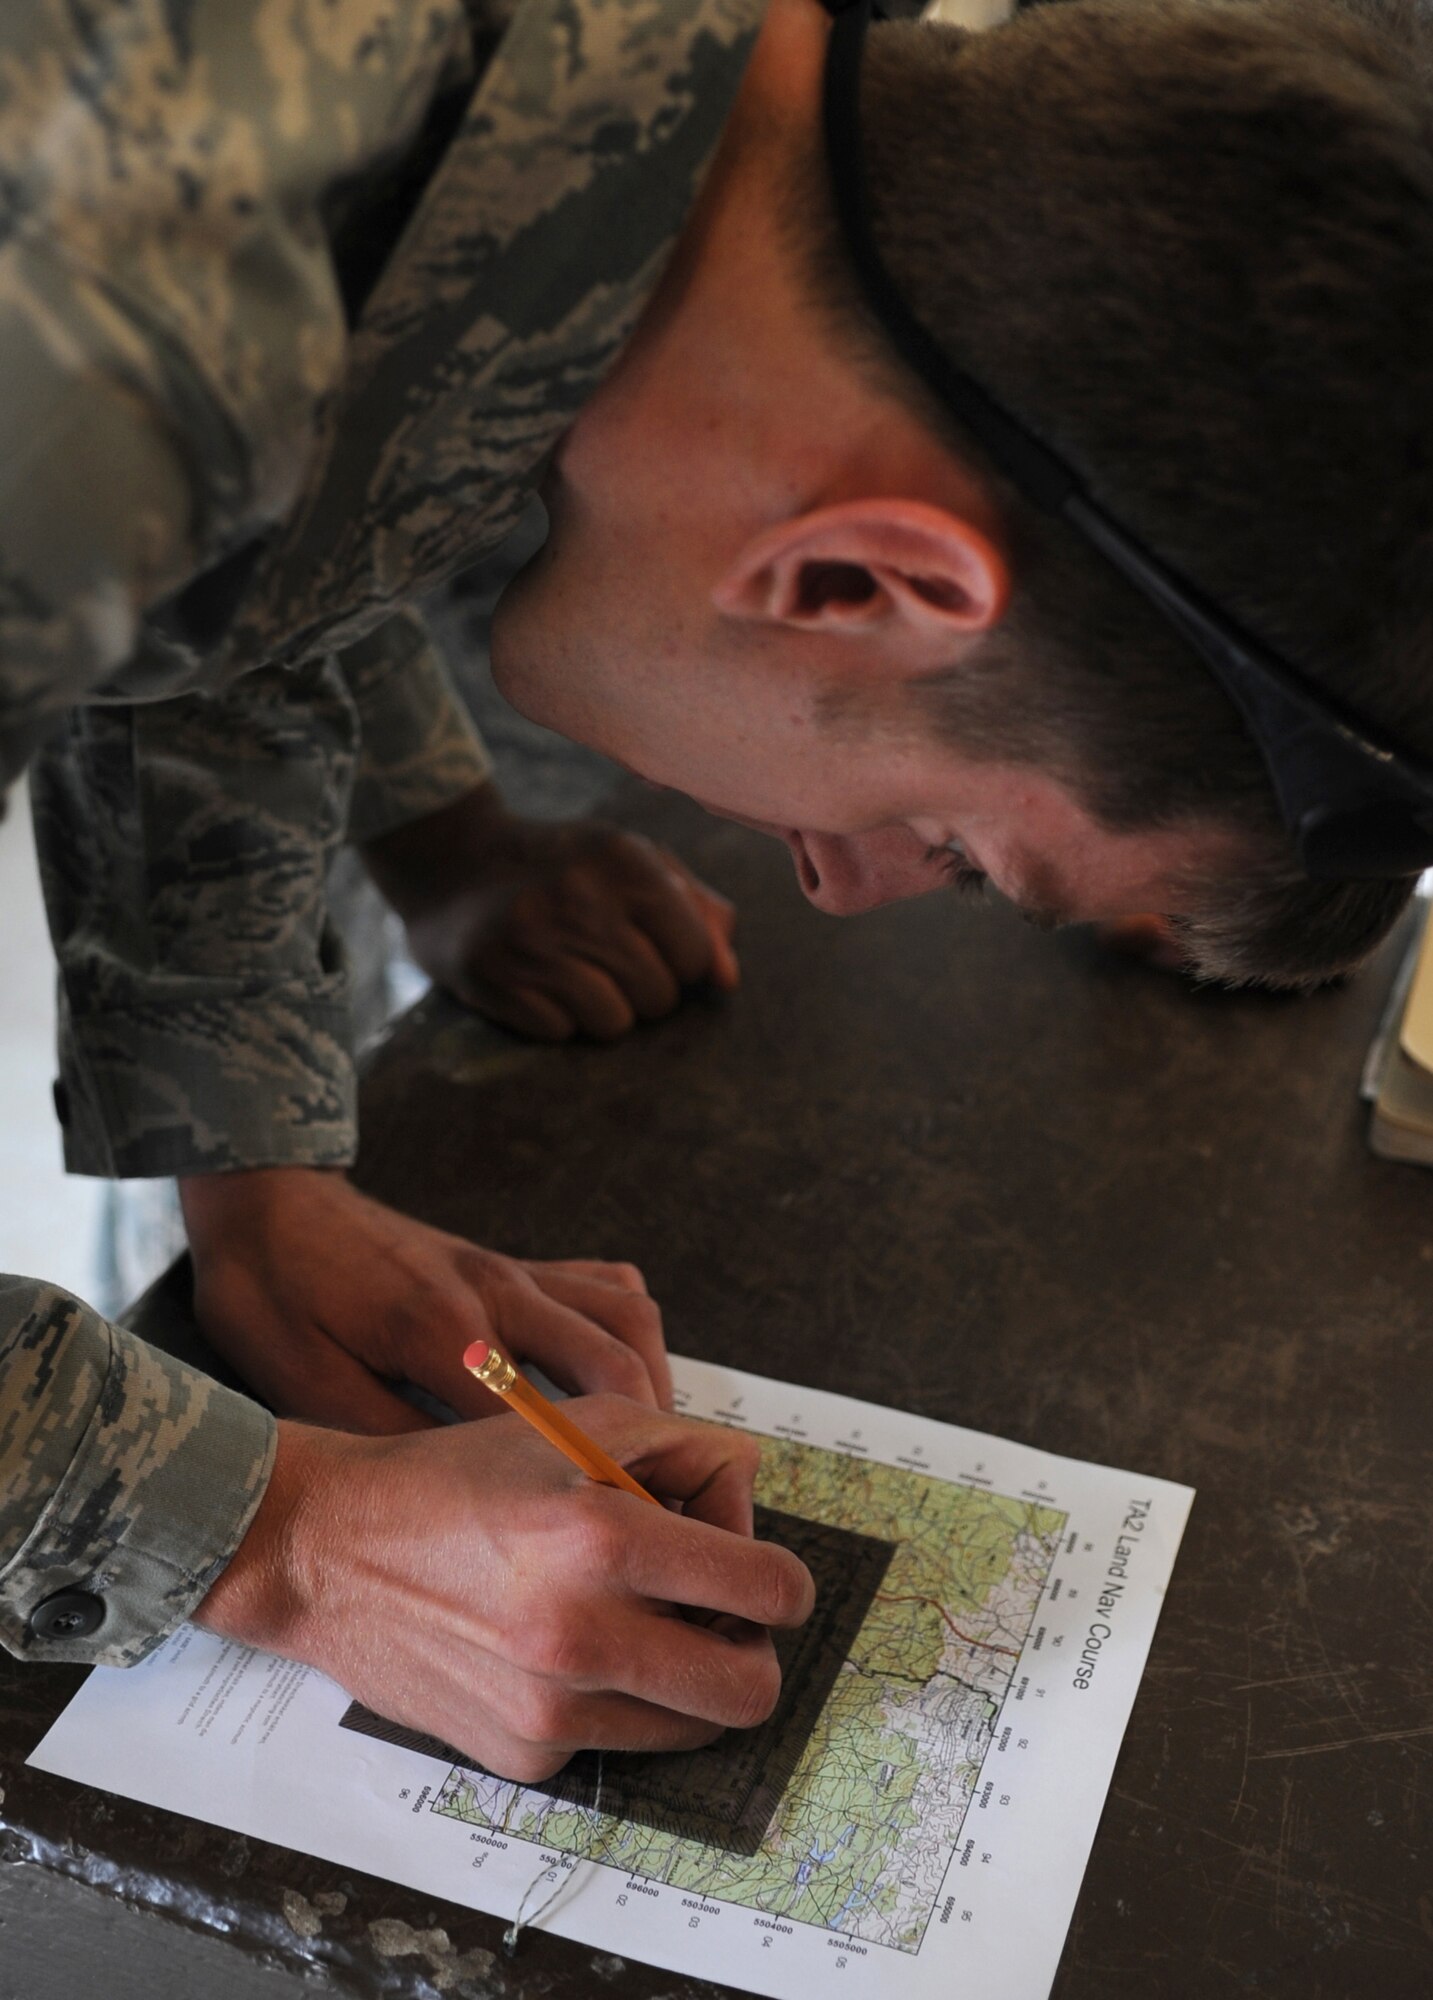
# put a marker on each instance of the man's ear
(918, 570)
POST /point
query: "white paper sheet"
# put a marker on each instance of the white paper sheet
(934, 1836)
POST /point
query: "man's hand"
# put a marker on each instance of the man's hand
(322, 1298)
(470, 1583)
(552, 930)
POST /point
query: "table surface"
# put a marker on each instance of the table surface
(933, 1159)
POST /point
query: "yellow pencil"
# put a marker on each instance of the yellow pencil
(497, 1373)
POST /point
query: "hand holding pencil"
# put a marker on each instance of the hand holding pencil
(469, 1582)
(497, 1373)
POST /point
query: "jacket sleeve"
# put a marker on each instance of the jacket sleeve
(184, 848)
(172, 316)
(123, 1474)
(203, 1006)
(101, 510)
(419, 749)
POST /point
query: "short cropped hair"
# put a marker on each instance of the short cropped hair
(1189, 242)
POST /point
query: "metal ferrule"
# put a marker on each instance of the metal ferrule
(497, 1372)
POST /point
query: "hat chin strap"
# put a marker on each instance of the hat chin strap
(1355, 804)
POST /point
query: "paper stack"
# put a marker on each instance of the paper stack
(1398, 1077)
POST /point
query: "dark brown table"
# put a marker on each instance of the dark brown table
(933, 1159)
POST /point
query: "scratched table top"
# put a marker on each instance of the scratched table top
(931, 1158)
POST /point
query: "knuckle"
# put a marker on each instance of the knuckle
(647, 1320)
(431, 1295)
(787, 1589)
(556, 1648)
(757, 1692)
(539, 1713)
(582, 897)
(643, 1303)
(624, 1429)
(626, 1370)
(480, 1272)
(524, 1764)
(745, 1454)
(626, 852)
(529, 1648)
(412, 1318)
(698, 1736)
(597, 1540)
(628, 1277)
(607, 1413)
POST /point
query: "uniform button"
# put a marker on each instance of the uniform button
(69, 1614)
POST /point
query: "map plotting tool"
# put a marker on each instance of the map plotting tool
(912, 1822)
(726, 1795)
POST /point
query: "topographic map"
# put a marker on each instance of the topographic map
(858, 1835)
(911, 1823)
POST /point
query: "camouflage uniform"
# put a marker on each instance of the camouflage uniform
(295, 300)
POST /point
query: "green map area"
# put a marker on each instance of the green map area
(864, 1830)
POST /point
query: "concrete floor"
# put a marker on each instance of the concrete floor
(61, 1941)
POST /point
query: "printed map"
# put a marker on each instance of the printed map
(912, 1823)
(865, 1826)
(726, 1794)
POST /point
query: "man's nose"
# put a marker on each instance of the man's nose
(847, 873)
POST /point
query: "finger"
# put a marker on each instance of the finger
(628, 1315)
(711, 1470)
(573, 1659)
(680, 1559)
(451, 1381)
(435, 1307)
(592, 997)
(589, 1722)
(574, 1349)
(354, 1400)
(590, 1337)
(627, 1276)
(673, 919)
(721, 1675)
(720, 920)
(687, 879)
(637, 968)
(728, 1674)
(704, 1556)
(524, 1010)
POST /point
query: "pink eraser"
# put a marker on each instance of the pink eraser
(476, 1355)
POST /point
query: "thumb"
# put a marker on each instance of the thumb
(718, 915)
(720, 920)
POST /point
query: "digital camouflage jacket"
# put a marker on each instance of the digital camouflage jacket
(295, 300)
